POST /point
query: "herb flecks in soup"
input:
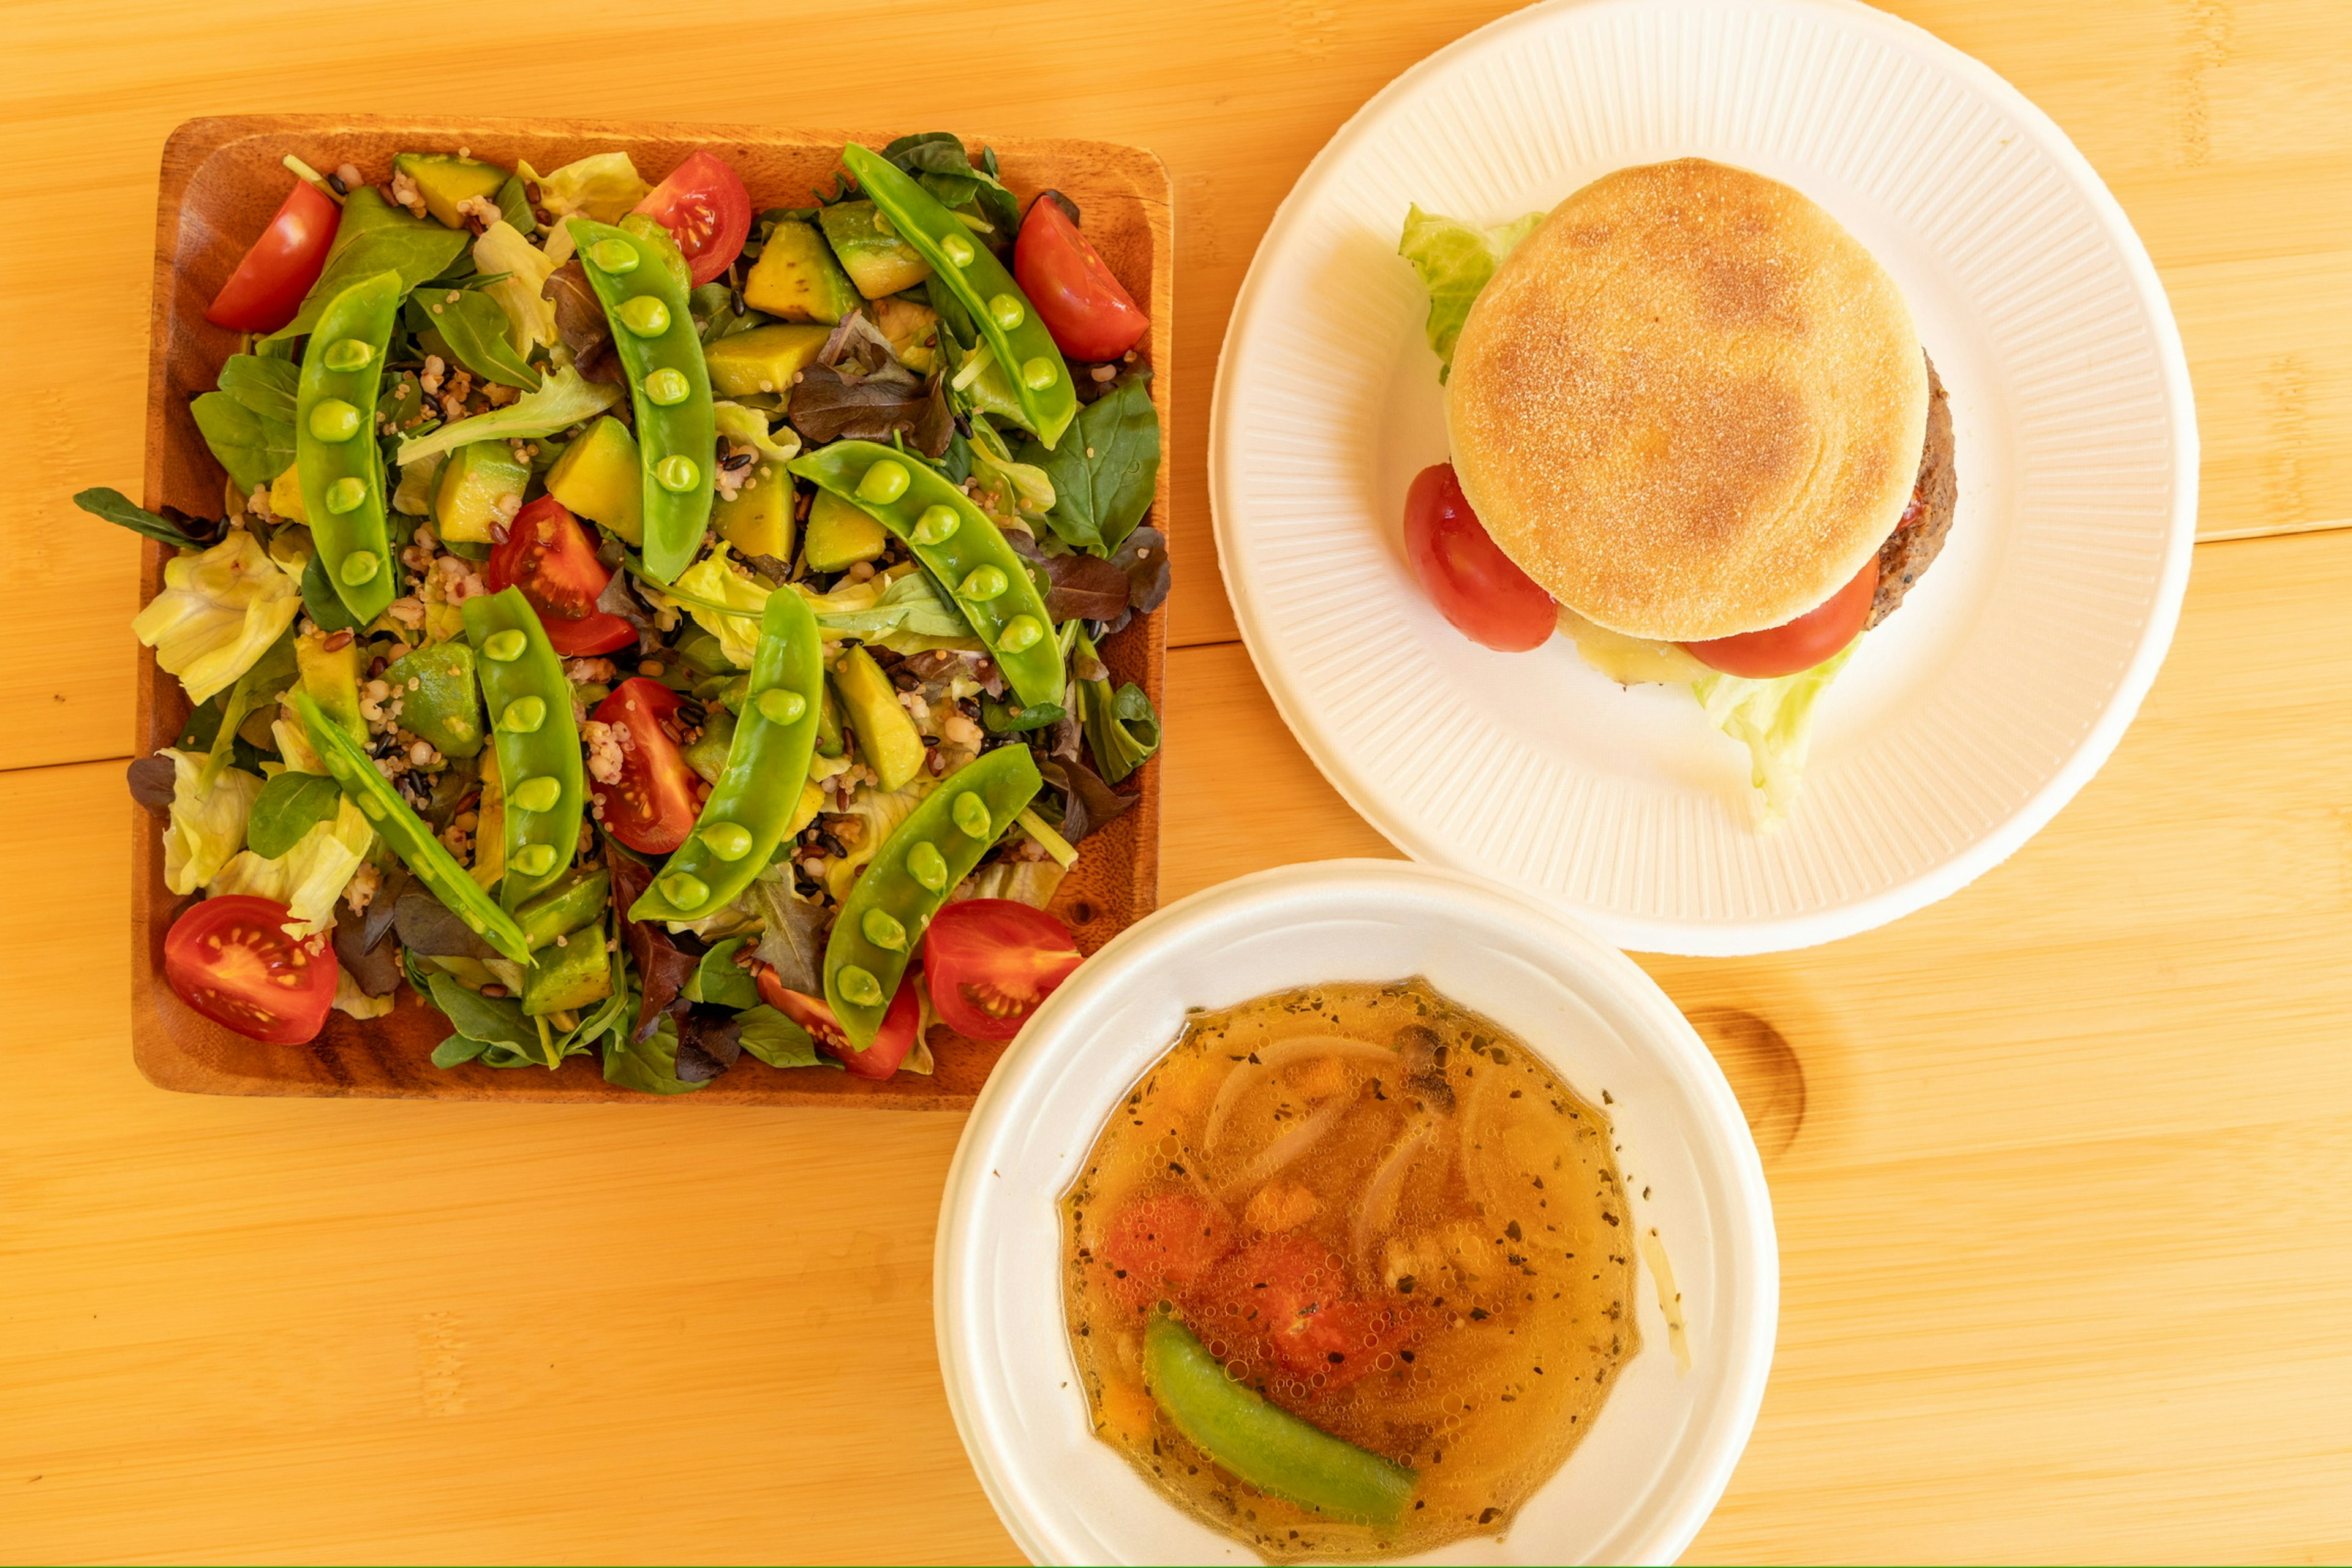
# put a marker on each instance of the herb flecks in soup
(1349, 1272)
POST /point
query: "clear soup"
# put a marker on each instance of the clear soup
(1383, 1213)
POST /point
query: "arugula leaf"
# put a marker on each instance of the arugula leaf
(717, 978)
(289, 806)
(1105, 468)
(1122, 730)
(563, 399)
(252, 450)
(514, 206)
(650, 1068)
(774, 1038)
(376, 237)
(494, 1020)
(173, 526)
(474, 325)
(267, 387)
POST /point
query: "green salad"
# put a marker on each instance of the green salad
(649, 626)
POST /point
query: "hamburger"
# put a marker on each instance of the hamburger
(1694, 412)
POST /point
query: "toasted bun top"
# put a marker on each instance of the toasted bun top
(1690, 405)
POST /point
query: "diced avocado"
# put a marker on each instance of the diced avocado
(886, 738)
(796, 277)
(876, 260)
(471, 973)
(566, 978)
(703, 653)
(445, 180)
(286, 494)
(331, 677)
(482, 483)
(842, 533)
(439, 700)
(757, 520)
(829, 743)
(566, 907)
(707, 756)
(764, 359)
(811, 802)
(601, 477)
(491, 828)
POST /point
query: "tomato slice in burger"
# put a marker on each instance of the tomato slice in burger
(651, 806)
(1090, 313)
(230, 959)
(547, 555)
(267, 288)
(878, 1060)
(992, 960)
(1465, 573)
(706, 209)
(1800, 644)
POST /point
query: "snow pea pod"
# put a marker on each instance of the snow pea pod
(961, 547)
(530, 706)
(335, 455)
(410, 839)
(758, 793)
(889, 907)
(1262, 1444)
(1032, 363)
(670, 384)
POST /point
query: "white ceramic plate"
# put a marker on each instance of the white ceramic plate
(1962, 724)
(1639, 1486)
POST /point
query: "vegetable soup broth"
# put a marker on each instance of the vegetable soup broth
(1461, 1215)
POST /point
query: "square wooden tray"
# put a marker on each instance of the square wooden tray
(221, 180)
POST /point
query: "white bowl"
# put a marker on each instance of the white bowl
(1644, 1479)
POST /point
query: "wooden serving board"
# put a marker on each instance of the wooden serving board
(221, 178)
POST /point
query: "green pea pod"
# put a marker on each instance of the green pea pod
(1031, 361)
(961, 546)
(335, 453)
(530, 706)
(756, 794)
(891, 904)
(1262, 1444)
(669, 382)
(405, 831)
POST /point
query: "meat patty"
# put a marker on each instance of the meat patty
(1911, 548)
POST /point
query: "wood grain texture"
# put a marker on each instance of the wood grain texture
(220, 184)
(2063, 1183)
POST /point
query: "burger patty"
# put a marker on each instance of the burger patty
(1911, 548)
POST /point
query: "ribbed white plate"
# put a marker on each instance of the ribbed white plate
(1964, 722)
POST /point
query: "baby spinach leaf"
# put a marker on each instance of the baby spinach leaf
(718, 979)
(171, 525)
(1104, 469)
(456, 1050)
(494, 1020)
(267, 387)
(376, 237)
(774, 1038)
(649, 1067)
(252, 450)
(474, 325)
(319, 600)
(1012, 719)
(1122, 730)
(514, 206)
(289, 806)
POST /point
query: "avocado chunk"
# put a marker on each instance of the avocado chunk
(600, 478)
(757, 520)
(707, 756)
(764, 359)
(876, 260)
(331, 677)
(439, 700)
(886, 738)
(567, 978)
(490, 827)
(829, 742)
(286, 495)
(796, 277)
(482, 483)
(566, 907)
(444, 180)
(811, 802)
(842, 533)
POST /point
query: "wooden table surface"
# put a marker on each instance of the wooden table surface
(2062, 1165)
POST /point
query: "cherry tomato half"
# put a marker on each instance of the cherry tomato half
(1800, 644)
(1160, 1244)
(266, 291)
(651, 807)
(991, 962)
(706, 209)
(1293, 1293)
(878, 1060)
(547, 555)
(1091, 315)
(230, 959)
(1474, 586)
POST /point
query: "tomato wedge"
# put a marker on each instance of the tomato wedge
(230, 959)
(1474, 586)
(267, 288)
(1290, 1294)
(878, 1060)
(1158, 1245)
(1800, 644)
(1090, 313)
(651, 806)
(992, 961)
(546, 554)
(706, 209)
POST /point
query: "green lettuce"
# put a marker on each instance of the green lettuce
(725, 601)
(562, 400)
(219, 611)
(1774, 719)
(306, 879)
(502, 249)
(1455, 260)
(207, 822)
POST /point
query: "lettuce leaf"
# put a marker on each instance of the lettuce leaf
(1774, 719)
(306, 879)
(503, 248)
(562, 400)
(207, 822)
(602, 186)
(219, 611)
(1455, 260)
(717, 580)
